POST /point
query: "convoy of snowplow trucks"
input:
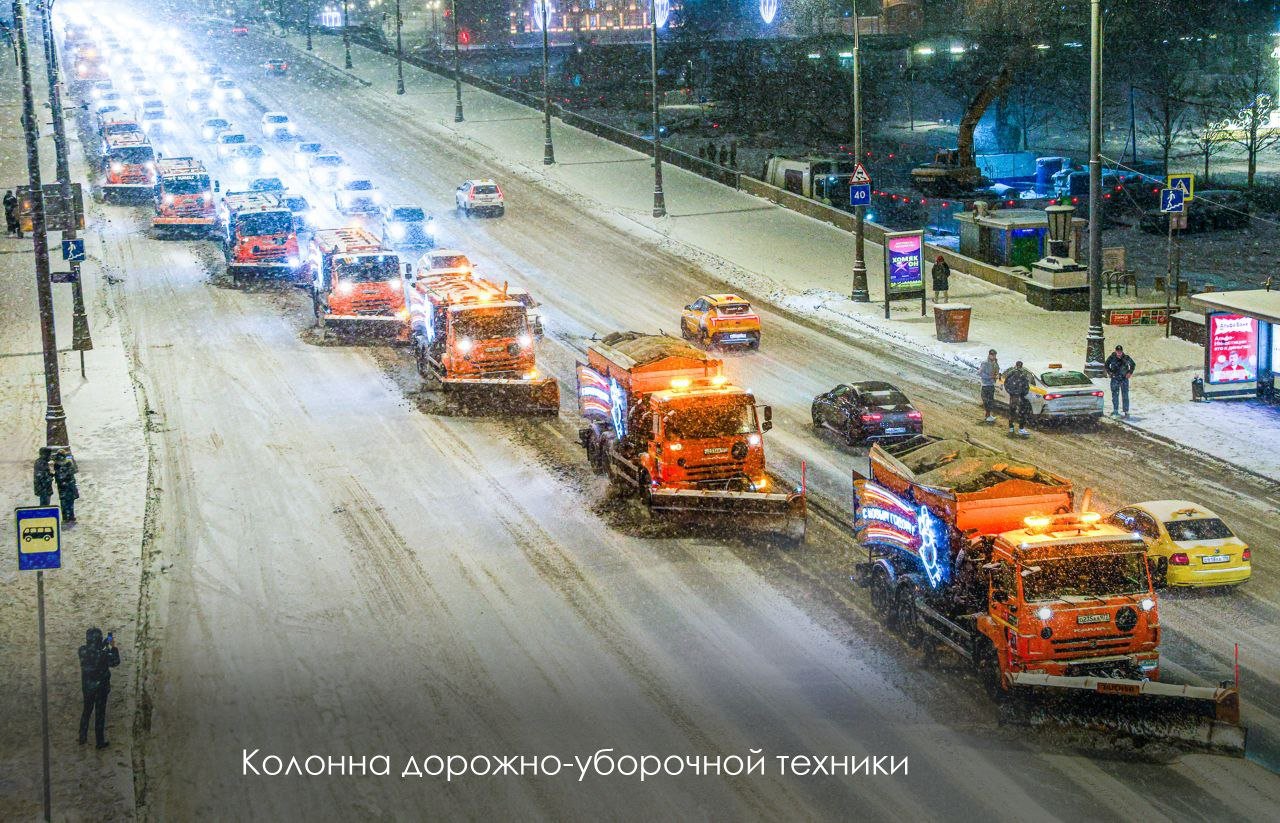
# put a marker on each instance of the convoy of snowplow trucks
(969, 551)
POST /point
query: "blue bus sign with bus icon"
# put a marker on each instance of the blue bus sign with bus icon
(39, 537)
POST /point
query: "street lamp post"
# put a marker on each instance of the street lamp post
(308, 13)
(81, 340)
(435, 24)
(859, 293)
(1094, 341)
(548, 150)
(399, 54)
(346, 35)
(54, 417)
(659, 199)
(457, 64)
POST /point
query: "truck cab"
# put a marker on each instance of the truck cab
(356, 282)
(258, 234)
(184, 196)
(705, 433)
(128, 163)
(1072, 596)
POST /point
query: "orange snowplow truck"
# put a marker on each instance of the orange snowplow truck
(184, 197)
(356, 284)
(476, 340)
(664, 422)
(128, 165)
(974, 551)
(258, 235)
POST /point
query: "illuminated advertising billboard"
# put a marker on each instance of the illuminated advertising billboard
(904, 262)
(1233, 349)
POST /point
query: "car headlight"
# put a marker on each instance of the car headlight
(267, 164)
(192, 105)
(1147, 604)
(465, 345)
(344, 287)
(377, 197)
(239, 95)
(208, 134)
(396, 231)
(1044, 613)
(525, 340)
(431, 229)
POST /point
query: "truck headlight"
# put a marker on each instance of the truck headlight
(377, 197)
(431, 228)
(1044, 613)
(168, 199)
(1147, 604)
(293, 262)
(525, 341)
(396, 231)
(207, 133)
(242, 166)
(753, 439)
(465, 345)
(344, 287)
(117, 167)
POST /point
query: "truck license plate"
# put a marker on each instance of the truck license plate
(737, 337)
(895, 430)
(1093, 618)
(1215, 558)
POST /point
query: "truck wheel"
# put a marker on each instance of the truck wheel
(987, 662)
(882, 596)
(644, 486)
(907, 614)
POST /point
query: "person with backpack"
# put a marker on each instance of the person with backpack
(1017, 383)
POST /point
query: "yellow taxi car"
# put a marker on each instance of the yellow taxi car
(1187, 544)
(721, 320)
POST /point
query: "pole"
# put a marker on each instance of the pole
(308, 12)
(457, 64)
(859, 293)
(399, 54)
(44, 687)
(1168, 277)
(346, 35)
(548, 150)
(659, 198)
(81, 339)
(54, 417)
(1095, 342)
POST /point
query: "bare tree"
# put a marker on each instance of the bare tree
(1247, 96)
(1206, 135)
(1165, 110)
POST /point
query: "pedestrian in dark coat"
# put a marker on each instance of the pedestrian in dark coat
(97, 658)
(64, 471)
(941, 280)
(1017, 383)
(724, 156)
(702, 152)
(733, 154)
(43, 476)
(1119, 368)
(11, 214)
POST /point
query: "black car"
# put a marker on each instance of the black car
(277, 67)
(863, 412)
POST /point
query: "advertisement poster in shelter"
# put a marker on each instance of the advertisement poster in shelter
(904, 263)
(1233, 348)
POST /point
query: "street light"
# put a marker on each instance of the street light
(659, 199)
(1094, 341)
(308, 13)
(399, 54)
(548, 150)
(859, 293)
(346, 35)
(457, 64)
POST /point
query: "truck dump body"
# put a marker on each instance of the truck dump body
(665, 420)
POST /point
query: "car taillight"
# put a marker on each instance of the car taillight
(1178, 559)
(1052, 396)
(471, 195)
(1247, 554)
(914, 415)
(871, 417)
(499, 189)
(1097, 394)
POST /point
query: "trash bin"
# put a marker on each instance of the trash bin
(951, 321)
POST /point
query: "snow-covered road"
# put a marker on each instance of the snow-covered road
(339, 572)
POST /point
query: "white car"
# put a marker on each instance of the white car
(249, 160)
(357, 196)
(101, 87)
(145, 95)
(407, 226)
(304, 153)
(479, 196)
(276, 126)
(225, 90)
(199, 100)
(442, 261)
(1059, 393)
(326, 170)
(154, 117)
(213, 127)
(229, 141)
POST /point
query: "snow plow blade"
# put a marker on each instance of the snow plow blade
(506, 396)
(371, 327)
(782, 512)
(1201, 716)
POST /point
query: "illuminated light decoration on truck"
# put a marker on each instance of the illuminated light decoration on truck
(603, 397)
(883, 518)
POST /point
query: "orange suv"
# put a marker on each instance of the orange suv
(721, 320)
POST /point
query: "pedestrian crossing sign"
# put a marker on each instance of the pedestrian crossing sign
(1185, 183)
(39, 537)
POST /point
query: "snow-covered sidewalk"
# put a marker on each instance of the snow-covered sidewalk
(805, 265)
(98, 583)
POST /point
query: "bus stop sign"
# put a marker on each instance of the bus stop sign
(39, 537)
